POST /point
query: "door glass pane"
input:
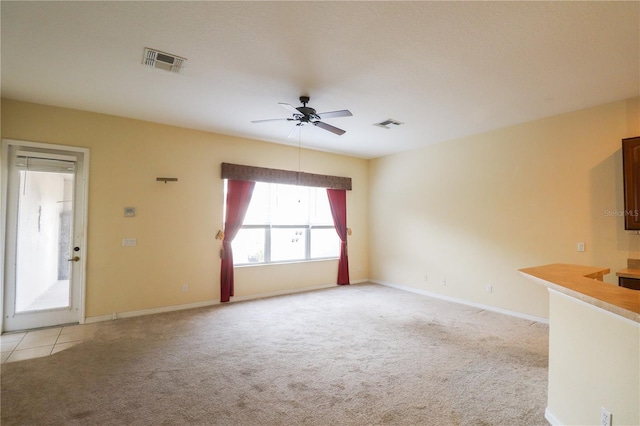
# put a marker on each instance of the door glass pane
(44, 240)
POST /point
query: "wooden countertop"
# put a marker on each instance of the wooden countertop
(582, 283)
(629, 273)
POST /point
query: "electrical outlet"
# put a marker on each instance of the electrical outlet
(185, 287)
(605, 417)
(580, 246)
(425, 277)
(443, 281)
(129, 242)
(489, 288)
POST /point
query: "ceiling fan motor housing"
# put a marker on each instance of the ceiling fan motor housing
(308, 113)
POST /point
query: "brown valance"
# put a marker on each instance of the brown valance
(289, 177)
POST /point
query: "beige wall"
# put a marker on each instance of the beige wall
(593, 362)
(175, 223)
(471, 211)
(475, 210)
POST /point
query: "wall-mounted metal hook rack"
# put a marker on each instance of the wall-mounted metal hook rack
(166, 179)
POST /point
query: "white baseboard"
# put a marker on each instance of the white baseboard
(162, 309)
(99, 318)
(291, 291)
(553, 420)
(464, 302)
(280, 292)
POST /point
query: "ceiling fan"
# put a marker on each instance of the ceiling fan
(305, 114)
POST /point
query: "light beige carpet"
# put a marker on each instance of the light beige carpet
(354, 355)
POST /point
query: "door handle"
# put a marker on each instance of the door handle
(74, 259)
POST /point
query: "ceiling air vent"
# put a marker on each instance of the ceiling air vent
(161, 60)
(386, 124)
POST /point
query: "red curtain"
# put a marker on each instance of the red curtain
(238, 196)
(338, 203)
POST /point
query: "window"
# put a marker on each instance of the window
(286, 223)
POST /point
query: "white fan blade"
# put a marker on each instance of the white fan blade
(289, 108)
(295, 130)
(334, 114)
(272, 119)
(329, 127)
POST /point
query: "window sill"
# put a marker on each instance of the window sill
(253, 265)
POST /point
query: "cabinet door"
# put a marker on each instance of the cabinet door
(629, 283)
(631, 166)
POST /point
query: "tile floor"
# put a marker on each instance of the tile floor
(44, 342)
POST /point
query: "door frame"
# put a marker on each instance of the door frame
(4, 182)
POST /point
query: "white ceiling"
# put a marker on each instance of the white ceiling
(445, 69)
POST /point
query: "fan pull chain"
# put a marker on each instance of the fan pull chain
(299, 148)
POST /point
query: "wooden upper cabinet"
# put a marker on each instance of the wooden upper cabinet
(631, 167)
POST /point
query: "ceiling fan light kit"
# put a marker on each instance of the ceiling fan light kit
(305, 114)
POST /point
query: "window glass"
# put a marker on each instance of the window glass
(288, 244)
(325, 243)
(258, 211)
(286, 223)
(289, 205)
(248, 246)
(320, 211)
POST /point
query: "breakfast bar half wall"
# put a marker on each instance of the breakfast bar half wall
(594, 346)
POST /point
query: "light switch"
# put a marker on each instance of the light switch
(129, 242)
(580, 246)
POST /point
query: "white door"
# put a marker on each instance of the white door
(45, 243)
